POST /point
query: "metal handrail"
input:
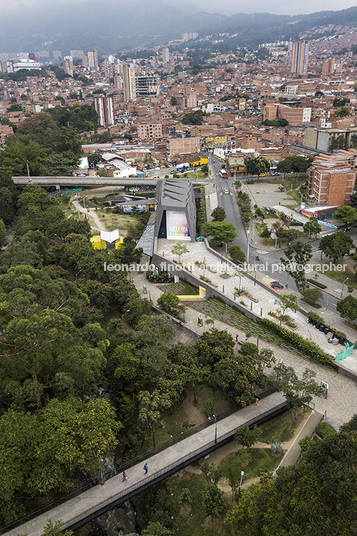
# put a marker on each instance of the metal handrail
(146, 455)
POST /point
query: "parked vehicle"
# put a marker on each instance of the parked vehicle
(276, 285)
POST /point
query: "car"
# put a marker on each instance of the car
(226, 191)
(276, 285)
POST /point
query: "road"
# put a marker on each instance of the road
(270, 259)
(229, 202)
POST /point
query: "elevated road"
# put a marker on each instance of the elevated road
(88, 505)
(89, 181)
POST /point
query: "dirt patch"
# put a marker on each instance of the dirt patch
(193, 412)
(212, 523)
(185, 509)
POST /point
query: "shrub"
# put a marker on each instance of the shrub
(249, 348)
(164, 277)
(325, 429)
(185, 496)
(316, 283)
(310, 349)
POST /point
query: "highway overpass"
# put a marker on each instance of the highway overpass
(89, 181)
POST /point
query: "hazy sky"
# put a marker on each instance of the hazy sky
(282, 7)
(227, 7)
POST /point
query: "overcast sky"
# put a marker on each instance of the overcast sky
(227, 7)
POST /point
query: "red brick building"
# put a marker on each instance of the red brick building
(149, 130)
(332, 178)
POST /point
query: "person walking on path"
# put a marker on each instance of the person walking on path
(124, 476)
(146, 468)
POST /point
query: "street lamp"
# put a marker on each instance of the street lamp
(215, 429)
(342, 287)
(127, 311)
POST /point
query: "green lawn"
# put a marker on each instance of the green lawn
(254, 462)
(182, 288)
(281, 429)
(341, 276)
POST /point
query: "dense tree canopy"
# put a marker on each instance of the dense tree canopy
(314, 497)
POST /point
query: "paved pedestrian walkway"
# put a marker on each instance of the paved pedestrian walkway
(341, 403)
(98, 499)
(215, 267)
(292, 455)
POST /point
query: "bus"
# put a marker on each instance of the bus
(223, 173)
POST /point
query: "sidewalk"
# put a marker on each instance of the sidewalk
(293, 453)
(341, 403)
(266, 301)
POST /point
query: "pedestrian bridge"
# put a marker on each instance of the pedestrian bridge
(90, 504)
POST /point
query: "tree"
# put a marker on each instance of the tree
(312, 296)
(219, 214)
(193, 118)
(312, 227)
(338, 142)
(185, 496)
(212, 472)
(246, 436)
(348, 308)
(336, 245)
(43, 451)
(204, 169)
(94, 159)
(236, 254)
(155, 528)
(235, 376)
(179, 249)
(288, 503)
(2, 233)
(213, 501)
(297, 391)
(214, 345)
(257, 166)
(266, 233)
(287, 301)
(221, 231)
(170, 303)
(150, 410)
(280, 230)
(306, 443)
(297, 257)
(346, 215)
(343, 112)
(197, 375)
(7, 211)
(293, 164)
(54, 528)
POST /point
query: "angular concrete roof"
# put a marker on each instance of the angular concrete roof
(175, 193)
(147, 240)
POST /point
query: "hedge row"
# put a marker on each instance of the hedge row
(316, 283)
(309, 348)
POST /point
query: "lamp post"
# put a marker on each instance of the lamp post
(127, 311)
(215, 429)
(342, 287)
